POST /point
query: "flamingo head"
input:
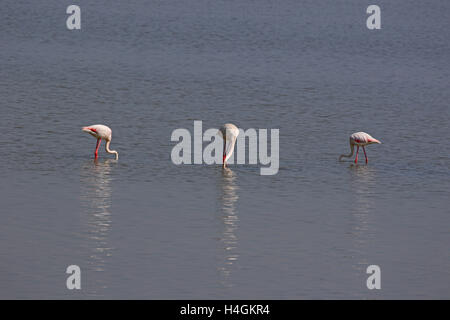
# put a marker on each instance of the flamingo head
(91, 131)
(373, 140)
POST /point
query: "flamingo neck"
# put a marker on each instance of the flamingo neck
(224, 155)
(111, 151)
(352, 147)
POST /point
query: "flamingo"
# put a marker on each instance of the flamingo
(100, 132)
(229, 134)
(360, 139)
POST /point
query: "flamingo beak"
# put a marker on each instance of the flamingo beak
(88, 130)
(91, 131)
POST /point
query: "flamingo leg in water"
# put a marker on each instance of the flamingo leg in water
(96, 147)
(367, 160)
(224, 164)
(357, 150)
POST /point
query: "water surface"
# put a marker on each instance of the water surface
(142, 227)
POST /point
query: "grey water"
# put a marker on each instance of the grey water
(144, 228)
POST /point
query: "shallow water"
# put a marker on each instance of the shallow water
(142, 227)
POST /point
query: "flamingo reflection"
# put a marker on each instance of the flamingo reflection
(230, 222)
(96, 191)
(364, 183)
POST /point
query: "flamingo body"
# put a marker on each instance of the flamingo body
(359, 139)
(100, 131)
(229, 134)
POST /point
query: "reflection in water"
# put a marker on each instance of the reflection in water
(230, 221)
(363, 186)
(95, 181)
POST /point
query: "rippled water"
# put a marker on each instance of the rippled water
(142, 227)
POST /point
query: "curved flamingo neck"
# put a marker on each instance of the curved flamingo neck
(352, 147)
(111, 151)
(224, 156)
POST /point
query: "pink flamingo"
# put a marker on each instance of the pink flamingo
(229, 134)
(100, 132)
(360, 139)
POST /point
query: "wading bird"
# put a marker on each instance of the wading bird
(359, 139)
(229, 134)
(100, 132)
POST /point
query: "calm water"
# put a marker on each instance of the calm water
(142, 227)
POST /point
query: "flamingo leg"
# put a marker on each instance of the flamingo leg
(97, 146)
(357, 150)
(367, 160)
(224, 163)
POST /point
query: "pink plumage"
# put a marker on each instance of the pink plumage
(359, 139)
(100, 132)
(229, 133)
